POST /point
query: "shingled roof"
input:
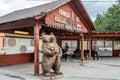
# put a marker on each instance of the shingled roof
(31, 12)
(44, 9)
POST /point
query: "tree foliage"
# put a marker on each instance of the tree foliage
(109, 21)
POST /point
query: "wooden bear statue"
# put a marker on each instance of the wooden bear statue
(52, 54)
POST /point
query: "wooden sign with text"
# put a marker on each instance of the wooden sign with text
(65, 18)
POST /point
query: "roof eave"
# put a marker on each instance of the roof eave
(84, 14)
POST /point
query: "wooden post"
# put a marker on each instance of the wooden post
(36, 48)
(113, 47)
(82, 48)
(90, 47)
(59, 42)
(78, 43)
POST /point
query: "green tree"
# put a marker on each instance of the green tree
(119, 1)
(109, 21)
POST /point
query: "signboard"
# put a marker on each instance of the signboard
(65, 18)
(78, 27)
(64, 13)
(69, 27)
(60, 19)
(75, 28)
(77, 19)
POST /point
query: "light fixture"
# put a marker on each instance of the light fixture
(21, 32)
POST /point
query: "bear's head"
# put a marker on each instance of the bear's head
(48, 38)
(50, 43)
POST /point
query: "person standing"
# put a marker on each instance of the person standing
(95, 49)
(66, 49)
(69, 55)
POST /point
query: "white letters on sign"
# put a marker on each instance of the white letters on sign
(79, 27)
(60, 19)
(64, 13)
(77, 19)
(69, 27)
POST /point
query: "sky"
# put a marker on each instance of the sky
(93, 8)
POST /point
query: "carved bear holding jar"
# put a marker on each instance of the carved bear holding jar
(52, 54)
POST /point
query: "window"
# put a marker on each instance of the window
(71, 43)
(116, 45)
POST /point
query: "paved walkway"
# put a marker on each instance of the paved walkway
(104, 69)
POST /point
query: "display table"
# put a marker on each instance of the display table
(105, 53)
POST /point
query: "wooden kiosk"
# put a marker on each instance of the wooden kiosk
(67, 19)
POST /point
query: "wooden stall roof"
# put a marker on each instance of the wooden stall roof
(81, 9)
(22, 18)
(104, 35)
(31, 12)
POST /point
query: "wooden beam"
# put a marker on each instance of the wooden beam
(79, 14)
(36, 48)
(78, 43)
(106, 34)
(90, 47)
(37, 17)
(69, 37)
(82, 48)
(18, 24)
